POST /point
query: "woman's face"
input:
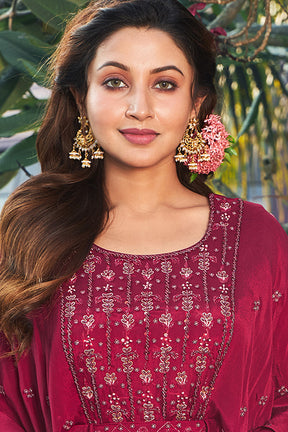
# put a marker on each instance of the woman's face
(139, 97)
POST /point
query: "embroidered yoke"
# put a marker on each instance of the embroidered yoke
(177, 341)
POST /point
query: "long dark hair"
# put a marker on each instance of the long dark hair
(50, 222)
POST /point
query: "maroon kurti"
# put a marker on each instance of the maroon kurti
(192, 340)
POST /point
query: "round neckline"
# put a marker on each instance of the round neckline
(167, 254)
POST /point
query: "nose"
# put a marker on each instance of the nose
(139, 105)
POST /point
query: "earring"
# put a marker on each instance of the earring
(203, 151)
(85, 142)
(192, 147)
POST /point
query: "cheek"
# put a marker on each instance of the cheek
(101, 112)
(177, 111)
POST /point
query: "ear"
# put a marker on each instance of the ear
(79, 100)
(196, 105)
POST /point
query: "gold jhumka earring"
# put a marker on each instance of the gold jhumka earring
(85, 142)
(193, 149)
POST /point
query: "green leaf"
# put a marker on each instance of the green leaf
(24, 121)
(12, 87)
(186, 3)
(52, 12)
(6, 177)
(231, 151)
(15, 46)
(231, 139)
(79, 3)
(26, 103)
(38, 75)
(250, 118)
(227, 158)
(31, 24)
(193, 177)
(23, 153)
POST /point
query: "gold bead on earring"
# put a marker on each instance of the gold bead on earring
(204, 151)
(193, 147)
(85, 142)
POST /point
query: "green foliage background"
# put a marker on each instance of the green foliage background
(253, 103)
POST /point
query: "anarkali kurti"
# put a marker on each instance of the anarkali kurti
(191, 340)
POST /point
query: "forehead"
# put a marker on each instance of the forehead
(142, 47)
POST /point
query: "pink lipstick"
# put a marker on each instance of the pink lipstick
(139, 136)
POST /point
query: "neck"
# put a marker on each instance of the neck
(142, 190)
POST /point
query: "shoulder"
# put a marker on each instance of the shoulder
(262, 226)
(258, 228)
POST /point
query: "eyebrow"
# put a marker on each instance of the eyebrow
(154, 71)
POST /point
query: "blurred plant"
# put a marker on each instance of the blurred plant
(252, 42)
(29, 33)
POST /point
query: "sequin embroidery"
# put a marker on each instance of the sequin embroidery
(152, 332)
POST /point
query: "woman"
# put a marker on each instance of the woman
(132, 298)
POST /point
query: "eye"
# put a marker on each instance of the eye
(114, 83)
(165, 85)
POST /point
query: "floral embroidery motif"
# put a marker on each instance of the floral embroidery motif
(204, 258)
(108, 301)
(222, 275)
(204, 392)
(110, 378)
(186, 272)
(127, 356)
(207, 319)
(108, 274)
(91, 360)
(166, 267)
(87, 392)
(276, 296)
(70, 306)
(128, 268)
(89, 267)
(137, 326)
(283, 390)
(224, 289)
(166, 319)
(146, 376)
(187, 296)
(224, 219)
(115, 411)
(28, 393)
(128, 321)
(225, 305)
(256, 305)
(68, 424)
(88, 321)
(224, 205)
(181, 407)
(263, 400)
(243, 411)
(181, 378)
(148, 407)
(165, 354)
(147, 273)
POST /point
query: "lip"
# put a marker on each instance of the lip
(139, 136)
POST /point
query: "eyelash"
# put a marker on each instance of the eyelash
(171, 83)
(110, 87)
